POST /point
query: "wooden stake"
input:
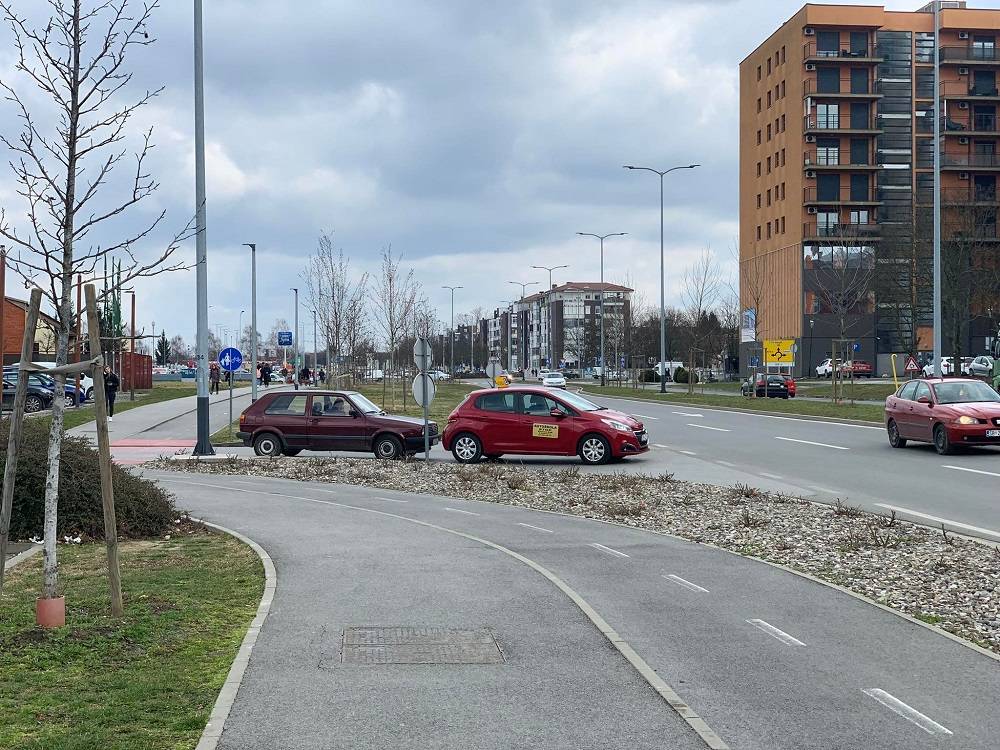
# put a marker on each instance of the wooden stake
(104, 454)
(16, 425)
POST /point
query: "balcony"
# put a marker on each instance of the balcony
(971, 55)
(845, 196)
(959, 197)
(869, 54)
(833, 159)
(815, 231)
(970, 162)
(959, 125)
(813, 88)
(965, 90)
(836, 125)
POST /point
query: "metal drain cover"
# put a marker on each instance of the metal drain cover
(420, 646)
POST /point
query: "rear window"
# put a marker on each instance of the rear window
(288, 405)
(503, 402)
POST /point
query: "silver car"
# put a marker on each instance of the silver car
(554, 380)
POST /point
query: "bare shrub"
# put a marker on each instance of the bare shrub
(751, 521)
(745, 490)
(841, 508)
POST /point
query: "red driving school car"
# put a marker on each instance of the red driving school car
(534, 420)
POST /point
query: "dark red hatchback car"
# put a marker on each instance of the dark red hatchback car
(948, 412)
(533, 420)
(288, 422)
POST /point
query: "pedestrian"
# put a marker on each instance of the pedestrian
(265, 374)
(257, 374)
(214, 376)
(322, 375)
(304, 376)
(229, 376)
(111, 384)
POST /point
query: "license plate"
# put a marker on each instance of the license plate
(643, 439)
(993, 433)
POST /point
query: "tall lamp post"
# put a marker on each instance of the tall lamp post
(295, 342)
(548, 307)
(663, 304)
(253, 319)
(453, 288)
(602, 237)
(315, 349)
(203, 447)
(808, 371)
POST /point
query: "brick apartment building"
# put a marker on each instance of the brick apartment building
(836, 180)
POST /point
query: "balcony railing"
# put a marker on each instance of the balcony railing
(971, 54)
(815, 194)
(845, 231)
(831, 157)
(989, 161)
(964, 90)
(837, 122)
(967, 196)
(845, 87)
(983, 123)
(811, 51)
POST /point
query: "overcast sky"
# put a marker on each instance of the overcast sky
(475, 137)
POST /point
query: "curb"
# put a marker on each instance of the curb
(230, 688)
(22, 556)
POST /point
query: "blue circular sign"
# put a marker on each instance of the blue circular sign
(230, 359)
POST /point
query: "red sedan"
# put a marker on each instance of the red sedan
(533, 420)
(948, 412)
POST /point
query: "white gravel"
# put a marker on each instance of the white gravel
(941, 579)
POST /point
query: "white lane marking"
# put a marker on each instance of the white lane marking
(706, 427)
(686, 584)
(536, 528)
(971, 471)
(726, 463)
(608, 549)
(392, 500)
(810, 442)
(687, 414)
(688, 453)
(827, 490)
(770, 476)
(644, 416)
(772, 631)
(907, 712)
(660, 445)
(937, 519)
(466, 512)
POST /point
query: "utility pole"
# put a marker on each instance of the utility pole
(937, 193)
(253, 320)
(548, 307)
(453, 288)
(602, 237)
(315, 349)
(295, 342)
(204, 445)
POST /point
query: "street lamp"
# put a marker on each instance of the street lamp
(253, 319)
(204, 445)
(548, 305)
(663, 305)
(295, 341)
(602, 237)
(453, 288)
(809, 361)
(524, 285)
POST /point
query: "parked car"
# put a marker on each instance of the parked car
(543, 372)
(532, 420)
(71, 395)
(947, 367)
(769, 386)
(981, 367)
(554, 379)
(949, 413)
(825, 368)
(290, 422)
(86, 382)
(438, 375)
(857, 368)
(39, 397)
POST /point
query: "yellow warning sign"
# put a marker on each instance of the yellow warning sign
(779, 351)
(545, 430)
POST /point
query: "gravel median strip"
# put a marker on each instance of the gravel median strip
(936, 577)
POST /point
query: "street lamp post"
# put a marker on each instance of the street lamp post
(602, 237)
(548, 307)
(808, 371)
(663, 304)
(253, 319)
(295, 342)
(452, 288)
(315, 349)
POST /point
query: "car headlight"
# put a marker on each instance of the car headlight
(616, 425)
(966, 419)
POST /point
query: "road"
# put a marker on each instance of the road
(767, 659)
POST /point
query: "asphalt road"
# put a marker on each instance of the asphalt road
(768, 659)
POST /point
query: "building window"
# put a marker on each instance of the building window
(777, 88)
(782, 191)
(758, 232)
(782, 123)
(758, 72)
(769, 165)
(758, 200)
(758, 104)
(758, 169)
(769, 196)
(782, 224)
(769, 66)
(782, 54)
(769, 99)
(782, 157)
(769, 131)
(782, 89)
(769, 230)
(758, 137)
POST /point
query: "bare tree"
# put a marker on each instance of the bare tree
(179, 349)
(396, 295)
(64, 162)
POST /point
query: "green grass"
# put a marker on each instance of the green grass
(861, 391)
(862, 412)
(147, 681)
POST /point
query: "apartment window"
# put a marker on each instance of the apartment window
(769, 230)
(777, 88)
(758, 200)
(769, 131)
(782, 123)
(769, 165)
(758, 137)
(777, 125)
(768, 99)
(782, 224)
(758, 232)
(782, 89)
(758, 104)
(828, 116)
(758, 72)
(828, 80)
(827, 151)
(782, 191)
(769, 66)
(826, 223)
(758, 169)
(769, 196)
(782, 54)
(782, 157)
(859, 217)
(777, 58)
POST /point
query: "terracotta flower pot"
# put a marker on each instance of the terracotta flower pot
(51, 613)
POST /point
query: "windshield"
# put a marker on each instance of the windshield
(364, 404)
(579, 402)
(965, 392)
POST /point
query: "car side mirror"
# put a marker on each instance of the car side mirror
(355, 413)
(557, 413)
(925, 400)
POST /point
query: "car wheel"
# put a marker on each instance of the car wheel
(942, 444)
(291, 451)
(387, 447)
(267, 444)
(90, 393)
(467, 448)
(595, 449)
(69, 401)
(895, 440)
(33, 404)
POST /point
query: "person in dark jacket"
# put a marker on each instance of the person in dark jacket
(111, 385)
(214, 376)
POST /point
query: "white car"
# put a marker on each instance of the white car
(947, 367)
(542, 373)
(554, 380)
(86, 382)
(438, 375)
(981, 367)
(825, 368)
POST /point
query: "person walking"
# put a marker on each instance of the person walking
(214, 376)
(111, 384)
(322, 375)
(265, 374)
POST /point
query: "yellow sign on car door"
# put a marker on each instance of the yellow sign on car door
(545, 430)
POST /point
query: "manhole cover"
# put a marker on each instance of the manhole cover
(420, 646)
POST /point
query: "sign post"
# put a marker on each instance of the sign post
(494, 371)
(423, 386)
(231, 360)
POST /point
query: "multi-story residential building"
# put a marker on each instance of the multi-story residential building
(561, 326)
(836, 176)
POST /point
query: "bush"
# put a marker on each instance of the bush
(142, 507)
(650, 376)
(681, 375)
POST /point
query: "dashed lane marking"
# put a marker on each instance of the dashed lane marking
(688, 453)
(770, 476)
(772, 631)
(608, 550)
(644, 416)
(726, 463)
(392, 500)
(536, 528)
(687, 414)
(827, 490)
(661, 445)
(810, 442)
(938, 519)
(909, 713)
(971, 471)
(686, 584)
(466, 512)
(706, 427)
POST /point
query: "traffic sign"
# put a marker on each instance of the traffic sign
(857, 346)
(422, 354)
(419, 392)
(284, 338)
(779, 351)
(911, 365)
(230, 359)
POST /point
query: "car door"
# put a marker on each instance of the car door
(496, 421)
(286, 414)
(8, 393)
(922, 414)
(541, 433)
(335, 424)
(901, 409)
